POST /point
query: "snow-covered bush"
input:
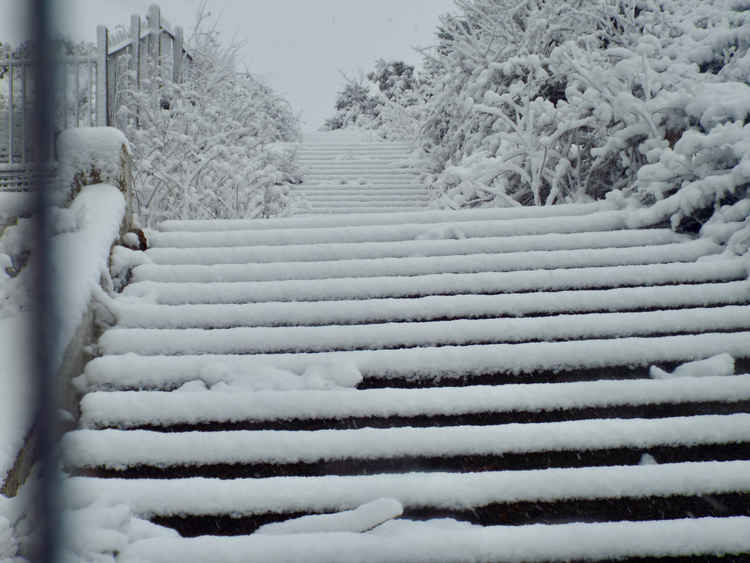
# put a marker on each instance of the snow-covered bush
(389, 100)
(212, 145)
(545, 102)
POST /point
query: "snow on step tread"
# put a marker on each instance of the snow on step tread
(202, 496)
(438, 284)
(462, 542)
(604, 221)
(433, 216)
(316, 313)
(246, 340)
(159, 408)
(421, 265)
(420, 364)
(117, 449)
(401, 249)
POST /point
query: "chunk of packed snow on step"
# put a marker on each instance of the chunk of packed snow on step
(647, 459)
(360, 519)
(324, 375)
(335, 373)
(442, 233)
(436, 525)
(194, 386)
(719, 365)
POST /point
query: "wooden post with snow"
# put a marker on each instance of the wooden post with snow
(177, 47)
(135, 48)
(102, 102)
(154, 23)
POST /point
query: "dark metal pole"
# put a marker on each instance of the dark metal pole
(44, 346)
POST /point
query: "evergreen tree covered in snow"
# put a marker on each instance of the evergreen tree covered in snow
(387, 100)
(211, 146)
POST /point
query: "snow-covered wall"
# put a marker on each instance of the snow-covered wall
(87, 220)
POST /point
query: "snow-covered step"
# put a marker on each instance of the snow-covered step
(437, 284)
(568, 444)
(449, 542)
(441, 406)
(252, 340)
(421, 265)
(316, 313)
(349, 210)
(604, 221)
(420, 247)
(488, 497)
(353, 204)
(432, 216)
(364, 194)
(370, 175)
(446, 365)
(343, 196)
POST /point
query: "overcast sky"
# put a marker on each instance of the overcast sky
(297, 46)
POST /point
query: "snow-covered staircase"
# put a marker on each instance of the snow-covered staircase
(504, 357)
(353, 175)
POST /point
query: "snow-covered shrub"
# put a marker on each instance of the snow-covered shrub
(208, 147)
(543, 102)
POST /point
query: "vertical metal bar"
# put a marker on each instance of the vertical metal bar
(102, 103)
(24, 140)
(78, 94)
(45, 315)
(11, 124)
(65, 94)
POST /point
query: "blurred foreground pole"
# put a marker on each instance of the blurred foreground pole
(43, 345)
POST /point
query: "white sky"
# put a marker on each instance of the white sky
(297, 46)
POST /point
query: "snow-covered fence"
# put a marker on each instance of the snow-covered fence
(91, 87)
(77, 105)
(136, 57)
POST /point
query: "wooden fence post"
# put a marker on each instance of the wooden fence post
(102, 102)
(135, 48)
(177, 55)
(154, 21)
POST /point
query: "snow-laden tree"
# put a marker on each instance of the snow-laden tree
(388, 100)
(211, 146)
(355, 105)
